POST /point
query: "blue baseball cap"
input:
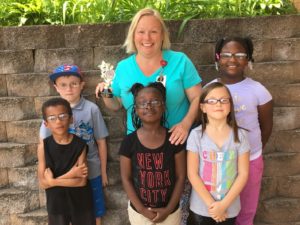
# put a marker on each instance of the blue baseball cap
(65, 70)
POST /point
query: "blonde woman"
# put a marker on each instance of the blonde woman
(152, 60)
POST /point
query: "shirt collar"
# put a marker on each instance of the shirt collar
(80, 104)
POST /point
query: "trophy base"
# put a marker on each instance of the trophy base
(106, 93)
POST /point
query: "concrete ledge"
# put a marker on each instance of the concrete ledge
(286, 95)
(3, 178)
(32, 37)
(23, 177)
(28, 85)
(287, 141)
(286, 49)
(268, 188)
(17, 201)
(16, 108)
(18, 131)
(115, 197)
(16, 61)
(111, 54)
(278, 72)
(116, 217)
(12, 155)
(47, 59)
(3, 89)
(286, 118)
(279, 211)
(281, 164)
(209, 30)
(288, 186)
(58, 36)
(39, 217)
(3, 137)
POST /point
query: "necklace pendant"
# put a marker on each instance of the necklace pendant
(162, 79)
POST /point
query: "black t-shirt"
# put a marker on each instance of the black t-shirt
(60, 159)
(153, 170)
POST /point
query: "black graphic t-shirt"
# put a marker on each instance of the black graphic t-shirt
(153, 170)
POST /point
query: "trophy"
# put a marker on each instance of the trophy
(107, 73)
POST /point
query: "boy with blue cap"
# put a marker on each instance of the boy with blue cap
(88, 124)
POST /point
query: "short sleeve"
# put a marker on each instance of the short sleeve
(44, 131)
(193, 141)
(190, 74)
(244, 145)
(126, 146)
(179, 148)
(262, 94)
(174, 148)
(100, 130)
(115, 83)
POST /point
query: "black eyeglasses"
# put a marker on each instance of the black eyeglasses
(238, 55)
(213, 101)
(60, 117)
(144, 105)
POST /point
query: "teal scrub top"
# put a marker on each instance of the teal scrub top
(179, 73)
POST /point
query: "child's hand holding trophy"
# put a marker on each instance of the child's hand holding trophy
(107, 73)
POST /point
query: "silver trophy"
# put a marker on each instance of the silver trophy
(107, 74)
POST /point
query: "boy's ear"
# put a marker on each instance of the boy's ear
(56, 88)
(82, 84)
(45, 123)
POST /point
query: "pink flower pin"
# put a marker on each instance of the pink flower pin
(163, 63)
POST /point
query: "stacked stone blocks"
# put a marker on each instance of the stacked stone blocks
(28, 55)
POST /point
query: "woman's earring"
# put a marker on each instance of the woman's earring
(250, 65)
(217, 66)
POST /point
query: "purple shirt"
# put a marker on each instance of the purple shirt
(247, 96)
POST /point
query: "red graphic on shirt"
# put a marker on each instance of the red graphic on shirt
(153, 178)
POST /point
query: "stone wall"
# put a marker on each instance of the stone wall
(28, 54)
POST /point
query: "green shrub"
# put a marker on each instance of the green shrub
(34, 12)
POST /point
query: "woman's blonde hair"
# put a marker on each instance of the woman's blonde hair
(129, 42)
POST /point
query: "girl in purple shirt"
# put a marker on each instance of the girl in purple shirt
(254, 111)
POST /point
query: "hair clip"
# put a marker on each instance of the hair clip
(217, 56)
(216, 66)
(250, 65)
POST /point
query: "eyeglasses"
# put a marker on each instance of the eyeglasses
(71, 85)
(60, 117)
(238, 55)
(144, 105)
(214, 101)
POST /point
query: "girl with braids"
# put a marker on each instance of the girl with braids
(152, 169)
(254, 112)
(218, 160)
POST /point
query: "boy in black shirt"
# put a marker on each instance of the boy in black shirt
(62, 169)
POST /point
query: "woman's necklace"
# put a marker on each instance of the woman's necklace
(162, 78)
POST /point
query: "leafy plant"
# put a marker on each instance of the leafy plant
(31, 12)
